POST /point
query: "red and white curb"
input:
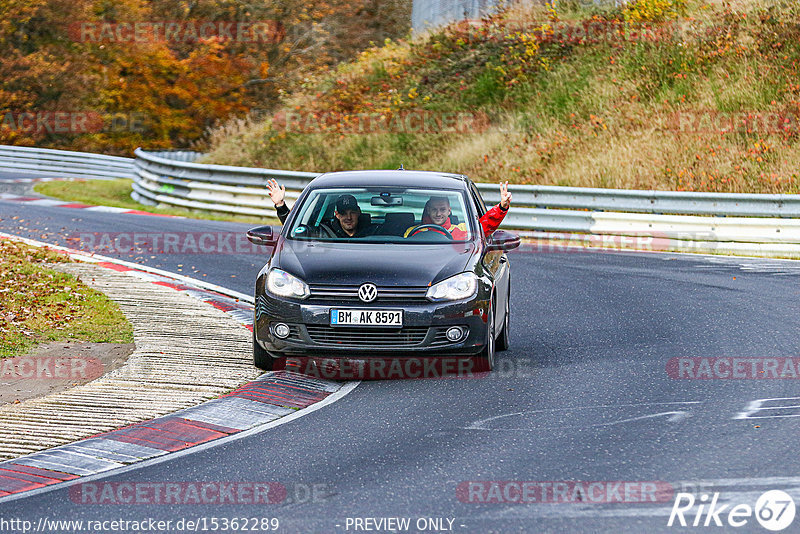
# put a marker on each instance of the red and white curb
(272, 399)
(266, 399)
(55, 203)
(36, 180)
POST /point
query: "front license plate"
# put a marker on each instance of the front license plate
(352, 317)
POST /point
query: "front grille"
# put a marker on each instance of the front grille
(369, 336)
(350, 293)
(265, 306)
(261, 306)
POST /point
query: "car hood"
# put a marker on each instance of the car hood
(382, 264)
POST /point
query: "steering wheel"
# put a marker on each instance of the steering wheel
(328, 230)
(432, 227)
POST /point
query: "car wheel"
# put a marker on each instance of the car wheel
(503, 341)
(262, 358)
(486, 357)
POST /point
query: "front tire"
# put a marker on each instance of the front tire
(261, 358)
(503, 340)
(486, 357)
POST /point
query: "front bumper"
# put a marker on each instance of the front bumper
(423, 331)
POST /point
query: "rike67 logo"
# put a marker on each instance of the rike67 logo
(774, 510)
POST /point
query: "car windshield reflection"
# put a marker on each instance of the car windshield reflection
(385, 215)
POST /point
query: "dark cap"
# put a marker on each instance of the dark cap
(347, 202)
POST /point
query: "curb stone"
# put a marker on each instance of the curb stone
(99, 408)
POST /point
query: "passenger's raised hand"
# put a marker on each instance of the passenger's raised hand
(505, 196)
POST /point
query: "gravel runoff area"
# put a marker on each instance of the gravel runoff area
(186, 352)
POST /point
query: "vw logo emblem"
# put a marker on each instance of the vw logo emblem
(368, 292)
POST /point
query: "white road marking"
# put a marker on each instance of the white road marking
(758, 406)
(773, 266)
(108, 209)
(676, 416)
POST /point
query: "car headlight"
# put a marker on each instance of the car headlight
(284, 284)
(460, 286)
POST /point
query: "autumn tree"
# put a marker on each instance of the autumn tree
(69, 56)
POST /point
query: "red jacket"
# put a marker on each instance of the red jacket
(491, 219)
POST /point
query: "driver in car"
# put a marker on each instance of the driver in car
(346, 215)
(437, 211)
(346, 218)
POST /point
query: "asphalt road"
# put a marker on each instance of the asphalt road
(86, 230)
(583, 395)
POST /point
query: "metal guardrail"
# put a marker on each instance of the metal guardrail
(239, 190)
(657, 202)
(64, 163)
(427, 14)
(166, 171)
(728, 223)
(682, 216)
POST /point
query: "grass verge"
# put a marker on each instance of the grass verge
(117, 193)
(686, 95)
(40, 304)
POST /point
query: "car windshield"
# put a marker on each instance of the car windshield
(373, 215)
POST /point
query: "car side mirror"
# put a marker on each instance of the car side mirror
(502, 240)
(262, 235)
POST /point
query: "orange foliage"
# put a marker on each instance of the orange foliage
(160, 93)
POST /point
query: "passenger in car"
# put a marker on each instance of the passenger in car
(437, 211)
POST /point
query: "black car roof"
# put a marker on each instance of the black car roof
(379, 178)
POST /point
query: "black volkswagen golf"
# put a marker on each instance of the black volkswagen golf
(401, 286)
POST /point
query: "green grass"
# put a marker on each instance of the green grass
(487, 89)
(41, 304)
(117, 193)
(564, 91)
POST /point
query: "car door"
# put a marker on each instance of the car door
(496, 263)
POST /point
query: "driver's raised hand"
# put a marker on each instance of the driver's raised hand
(276, 192)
